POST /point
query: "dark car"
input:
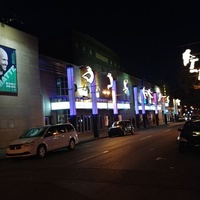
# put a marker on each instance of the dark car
(195, 117)
(121, 128)
(181, 119)
(189, 136)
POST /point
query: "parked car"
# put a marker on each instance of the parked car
(181, 119)
(189, 136)
(121, 128)
(195, 117)
(40, 140)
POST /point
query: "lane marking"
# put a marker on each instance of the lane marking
(93, 156)
(167, 130)
(160, 158)
(144, 138)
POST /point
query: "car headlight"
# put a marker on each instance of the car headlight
(28, 144)
(196, 133)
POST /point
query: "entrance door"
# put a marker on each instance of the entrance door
(79, 124)
(87, 123)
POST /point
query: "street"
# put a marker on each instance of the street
(146, 165)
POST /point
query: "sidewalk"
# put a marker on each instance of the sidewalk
(85, 137)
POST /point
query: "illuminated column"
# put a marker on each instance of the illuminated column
(176, 103)
(143, 107)
(94, 109)
(142, 101)
(156, 107)
(164, 109)
(71, 94)
(114, 99)
(94, 97)
(175, 108)
(135, 91)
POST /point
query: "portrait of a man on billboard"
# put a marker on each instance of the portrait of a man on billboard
(8, 71)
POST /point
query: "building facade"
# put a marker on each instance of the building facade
(20, 92)
(83, 84)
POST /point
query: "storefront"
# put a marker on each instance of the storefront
(79, 93)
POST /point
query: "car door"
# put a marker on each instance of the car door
(51, 138)
(62, 136)
(70, 133)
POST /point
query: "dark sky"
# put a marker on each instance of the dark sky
(147, 35)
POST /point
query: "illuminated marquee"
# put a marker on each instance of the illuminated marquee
(88, 105)
(109, 75)
(126, 87)
(87, 80)
(88, 75)
(188, 58)
(147, 95)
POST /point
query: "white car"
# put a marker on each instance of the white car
(40, 140)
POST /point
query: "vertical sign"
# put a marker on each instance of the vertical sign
(142, 100)
(136, 100)
(114, 98)
(8, 71)
(71, 90)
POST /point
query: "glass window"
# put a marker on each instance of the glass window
(69, 128)
(62, 116)
(34, 132)
(50, 132)
(61, 129)
(61, 86)
(87, 123)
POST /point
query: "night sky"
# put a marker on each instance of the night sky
(148, 36)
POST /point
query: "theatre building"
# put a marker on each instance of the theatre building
(82, 83)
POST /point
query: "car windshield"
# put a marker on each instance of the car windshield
(33, 132)
(121, 123)
(193, 126)
(114, 124)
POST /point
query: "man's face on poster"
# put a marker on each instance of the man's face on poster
(3, 59)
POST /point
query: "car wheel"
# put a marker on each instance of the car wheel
(109, 135)
(41, 151)
(132, 131)
(71, 145)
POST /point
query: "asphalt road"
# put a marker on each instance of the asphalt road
(146, 165)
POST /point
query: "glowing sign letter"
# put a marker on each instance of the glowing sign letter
(89, 75)
(109, 75)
